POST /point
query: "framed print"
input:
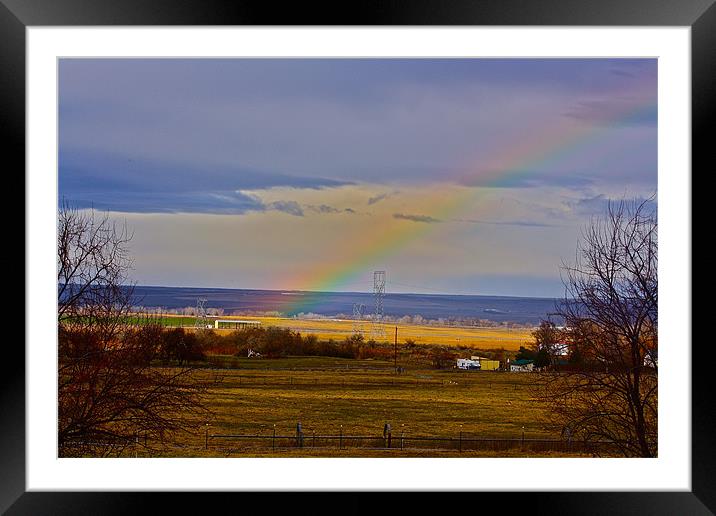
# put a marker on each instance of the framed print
(415, 250)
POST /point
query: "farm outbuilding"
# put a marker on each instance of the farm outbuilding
(487, 364)
(221, 324)
(521, 365)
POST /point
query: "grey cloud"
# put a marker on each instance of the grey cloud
(614, 112)
(323, 208)
(416, 174)
(290, 207)
(377, 198)
(523, 223)
(524, 179)
(599, 204)
(128, 184)
(252, 124)
(230, 203)
(415, 218)
(589, 205)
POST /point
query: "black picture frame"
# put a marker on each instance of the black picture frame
(17, 15)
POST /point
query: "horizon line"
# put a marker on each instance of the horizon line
(347, 292)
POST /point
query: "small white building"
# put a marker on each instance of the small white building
(466, 363)
(522, 365)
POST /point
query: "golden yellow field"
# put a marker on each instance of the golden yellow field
(482, 338)
(332, 396)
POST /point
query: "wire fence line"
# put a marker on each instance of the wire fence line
(460, 443)
(396, 441)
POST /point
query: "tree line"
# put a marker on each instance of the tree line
(269, 342)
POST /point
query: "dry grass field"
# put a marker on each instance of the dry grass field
(472, 337)
(331, 396)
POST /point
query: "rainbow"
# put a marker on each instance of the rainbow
(541, 146)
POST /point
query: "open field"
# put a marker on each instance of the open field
(473, 337)
(332, 396)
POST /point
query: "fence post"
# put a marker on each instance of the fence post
(273, 440)
(340, 439)
(523, 439)
(206, 438)
(460, 442)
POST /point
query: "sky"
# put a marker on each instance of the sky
(461, 176)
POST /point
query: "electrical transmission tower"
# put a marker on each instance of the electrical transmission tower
(358, 309)
(202, 321)
(378, 293)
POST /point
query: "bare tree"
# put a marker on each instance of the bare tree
(110, 395)
(611, 322)
(547, 344)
